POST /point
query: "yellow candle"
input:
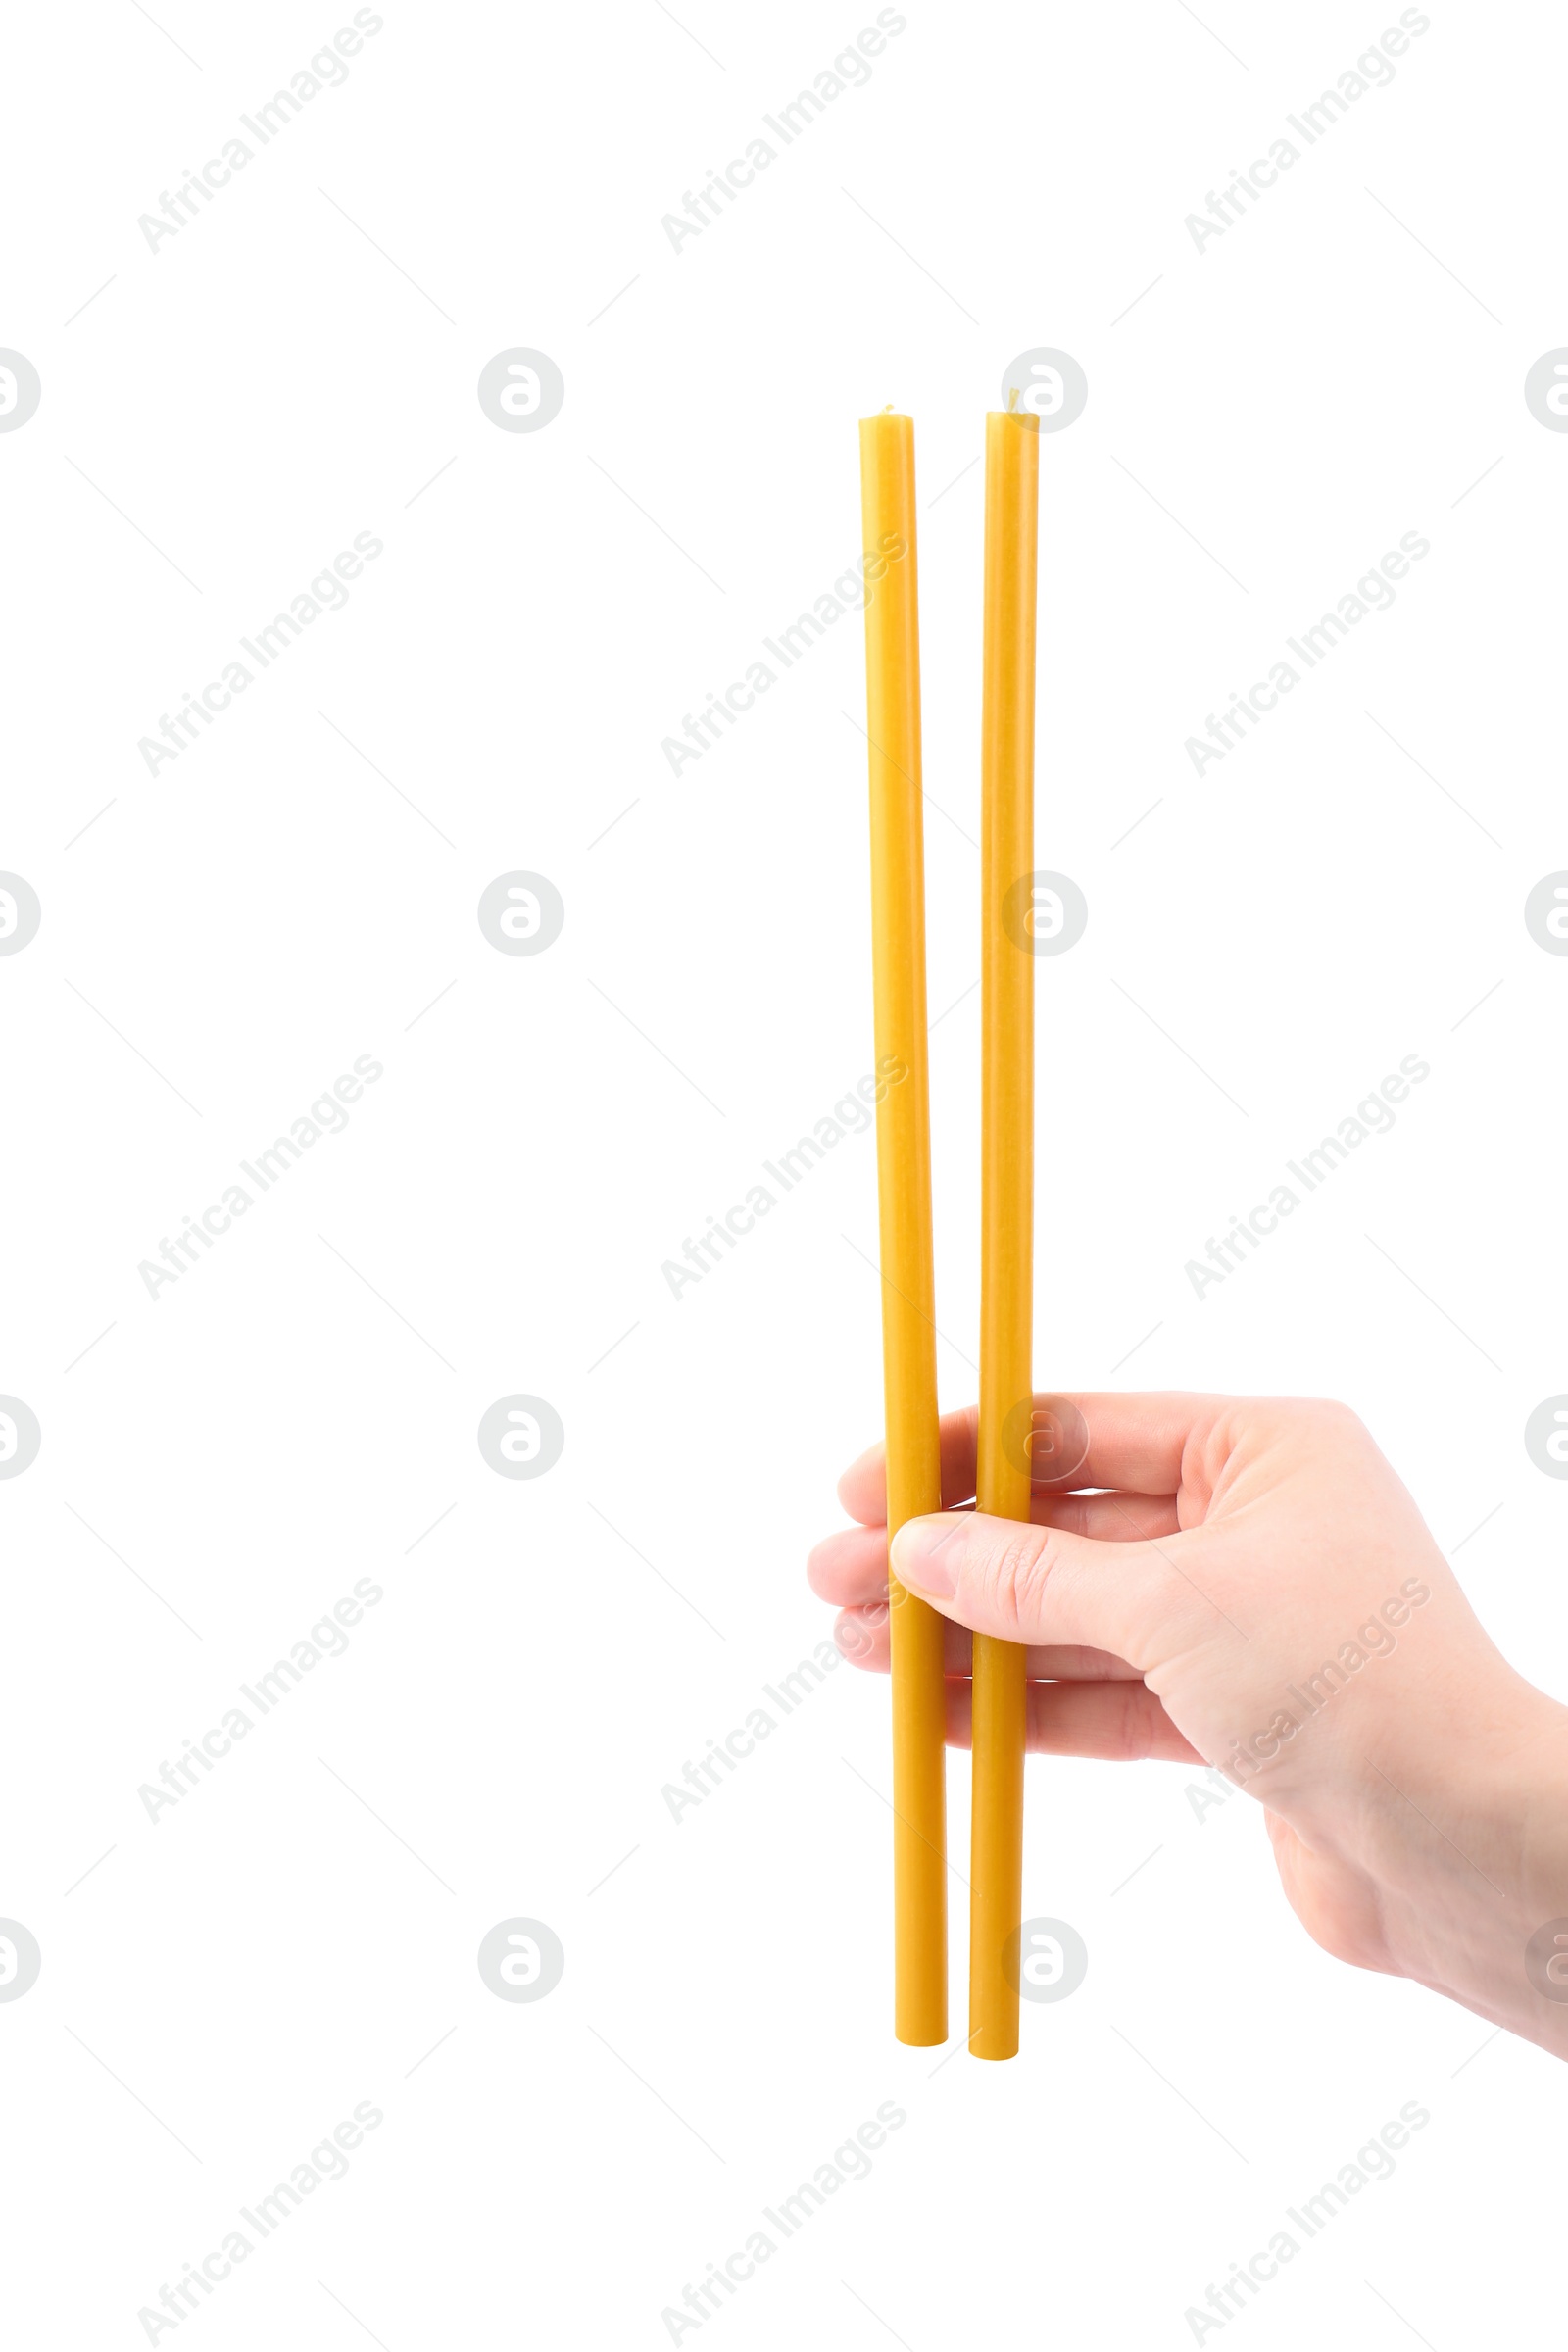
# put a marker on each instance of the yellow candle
(1007, 1198)
(903, 1185)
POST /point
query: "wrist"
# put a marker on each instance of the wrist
(1464, 1832)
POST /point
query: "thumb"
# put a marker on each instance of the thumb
(1046, 1587)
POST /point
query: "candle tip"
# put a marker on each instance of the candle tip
(1012, 400)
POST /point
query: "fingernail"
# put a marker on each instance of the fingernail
(920, 1557)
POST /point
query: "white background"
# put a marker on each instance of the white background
(298, 364)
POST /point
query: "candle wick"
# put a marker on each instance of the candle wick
(1012, 400)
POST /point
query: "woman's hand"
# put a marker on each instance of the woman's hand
(1245, 1581)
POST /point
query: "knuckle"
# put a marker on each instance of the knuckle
(1330, 1413)
(1327, 1415)
(1013, 1576)
(1135, 1727)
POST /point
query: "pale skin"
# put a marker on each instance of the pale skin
(1180, 1595)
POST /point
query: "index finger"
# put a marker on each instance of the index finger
(1135, 1442)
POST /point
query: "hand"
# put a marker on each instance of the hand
(1245, 1581)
